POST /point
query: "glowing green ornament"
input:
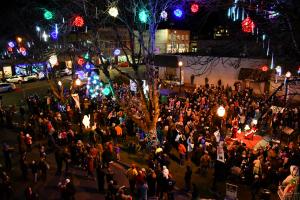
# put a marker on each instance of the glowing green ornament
(143, 16)
(106, 91)
(48, 15)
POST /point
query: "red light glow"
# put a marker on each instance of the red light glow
(194, 8)
(78, 21)
(248, 25)
(80, 61)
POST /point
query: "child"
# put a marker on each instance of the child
(117, 151)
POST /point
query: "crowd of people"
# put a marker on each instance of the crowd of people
(188, 127)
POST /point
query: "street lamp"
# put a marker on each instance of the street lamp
(59, 83)
(180, 64)
(221, 111)
(113, 11)
(19, 39)
(221, 114)
(288, 74)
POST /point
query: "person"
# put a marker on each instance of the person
(131, 174)
(34, 170)
(204, 162)
(28, 142)
(117, 151)
(188, 178)
(70, 189)
(100, 177)
(29, 194)
(151, 180)
(182, 152)
(7, 156)
(24, 166)
(255, 186)
(44, 167)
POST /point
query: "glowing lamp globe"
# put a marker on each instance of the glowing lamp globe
(164, 15)
(80, 61)
(59, 83)
(78, 21)
(19, 39)
(11, 44)
(180, 63)
(143, 16)
(221, 111)
(117, 52)
(194, 8)
(113, 11)
(178, 13)
(248, 25)
(264, 68)
(48, 15)
(53, 60)
(288, 74)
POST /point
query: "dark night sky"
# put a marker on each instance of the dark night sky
(21, 16)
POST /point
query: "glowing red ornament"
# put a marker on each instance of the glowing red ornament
(9, 49)
(194, 8)
(264, 68)
(22, 49)
(78, 21)
(248, 25)
(80, 61)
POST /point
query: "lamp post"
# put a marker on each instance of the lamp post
(180, 64)
(221, 113)
(287, 76)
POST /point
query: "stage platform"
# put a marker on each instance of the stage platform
(257, 142)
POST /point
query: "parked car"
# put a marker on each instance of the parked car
(7, 87)
(22, 78)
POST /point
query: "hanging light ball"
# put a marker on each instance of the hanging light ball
(80, 61)
(54, 35)
(178, 12)
(117, 52)
(106, 91)
(9, 49)
(22, 49)
(248, 25)
(194, 8)
(143, 16)
(11, 44)
(48, 15)
(164, 15)
(264, 68)
(78, 21)
(113, 11)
